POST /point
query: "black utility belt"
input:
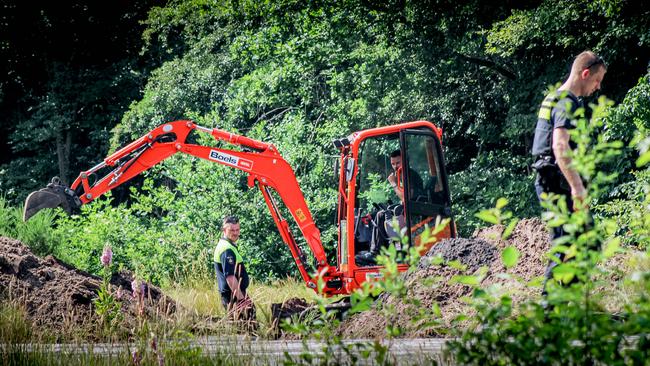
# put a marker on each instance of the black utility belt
(544, 163)
(550, 177)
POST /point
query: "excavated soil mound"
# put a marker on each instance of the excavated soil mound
(429, 282)
(59, 297)
(294, 306)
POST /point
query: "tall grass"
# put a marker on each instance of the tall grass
(37, 233)
(21, 343)
(199, 312)
(14, 326)
(619, 293)
(199, 296)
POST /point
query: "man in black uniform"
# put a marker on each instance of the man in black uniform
(552, 140)
(232, 278)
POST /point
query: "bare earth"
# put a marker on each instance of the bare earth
(59, 297)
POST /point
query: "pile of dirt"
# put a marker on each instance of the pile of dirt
(428, 284)
(59, 297)
(294, 306)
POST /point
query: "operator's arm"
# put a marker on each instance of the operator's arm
(560, 150)
(393, 183)
(561, 115)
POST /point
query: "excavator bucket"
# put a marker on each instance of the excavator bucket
(54, 195)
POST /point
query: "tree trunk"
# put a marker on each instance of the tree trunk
(63, 144)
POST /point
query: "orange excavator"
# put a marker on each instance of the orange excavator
(364, 164)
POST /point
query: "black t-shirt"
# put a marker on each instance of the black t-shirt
(560, 117)
(417, 185)
(230, 267)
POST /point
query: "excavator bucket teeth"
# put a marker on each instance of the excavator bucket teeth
(55, 195)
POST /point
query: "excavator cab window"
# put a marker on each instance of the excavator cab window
(427, 200)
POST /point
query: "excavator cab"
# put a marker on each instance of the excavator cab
(373, 214)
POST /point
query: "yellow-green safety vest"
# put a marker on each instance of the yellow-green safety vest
(224, 245)
(547, 105)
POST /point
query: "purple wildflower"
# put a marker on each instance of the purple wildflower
(119, 293)
(138, 288)
(107, 256)
(135, 288)
(135, 357)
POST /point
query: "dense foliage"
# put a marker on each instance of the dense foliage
(595, 311)
(69, 72)
(299, 74)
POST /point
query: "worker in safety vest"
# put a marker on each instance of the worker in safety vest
(232, 278)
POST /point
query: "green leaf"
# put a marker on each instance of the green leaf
(501, 203)
(643, 159)
(436, 309)
(465, 280)
(479, 293)
(456, 264)
(612, 247)
(509, 229)
(564, 272)
(510, 255)
(363, 305)
(488, 216)
(436, 260)
(556, 222)
(536, 281)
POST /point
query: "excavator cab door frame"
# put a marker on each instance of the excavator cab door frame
(427, 199)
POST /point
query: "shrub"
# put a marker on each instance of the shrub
(37, 233)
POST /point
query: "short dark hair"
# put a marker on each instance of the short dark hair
(395, 154)
(230, 220)
(588, 60)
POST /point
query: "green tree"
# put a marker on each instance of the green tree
(68, 74)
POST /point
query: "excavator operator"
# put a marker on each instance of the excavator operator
(232, 277)
(383, 231)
